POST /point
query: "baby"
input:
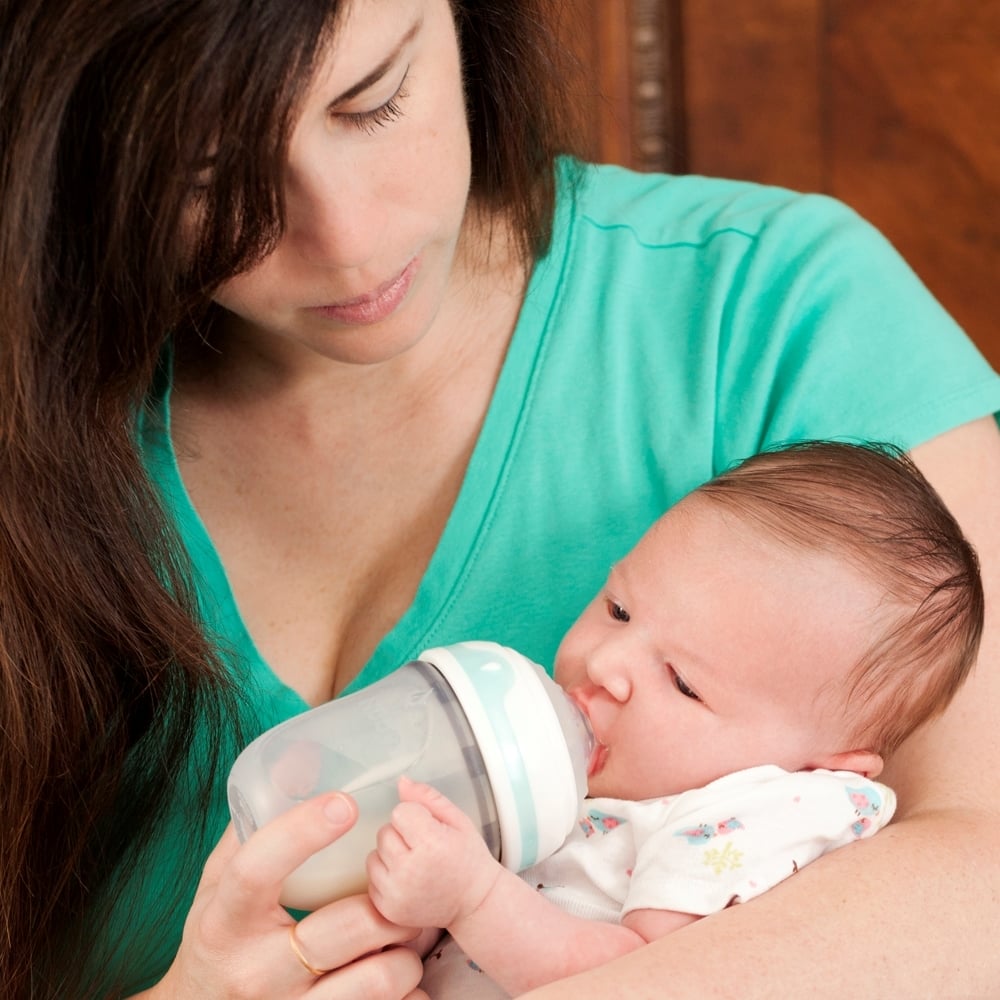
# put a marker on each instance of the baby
(746, 669)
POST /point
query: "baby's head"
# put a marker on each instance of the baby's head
(809, 608)
(872, 507)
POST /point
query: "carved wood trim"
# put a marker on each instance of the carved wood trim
(657, 138)
(628, 89)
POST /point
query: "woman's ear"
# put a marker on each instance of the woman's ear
(863, 762)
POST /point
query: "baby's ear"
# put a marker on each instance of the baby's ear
(863, 762)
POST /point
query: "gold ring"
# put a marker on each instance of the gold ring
(297, 952)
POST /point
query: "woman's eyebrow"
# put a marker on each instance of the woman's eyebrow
(379, 71)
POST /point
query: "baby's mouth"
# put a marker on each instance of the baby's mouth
(598, 758)
(599, 750)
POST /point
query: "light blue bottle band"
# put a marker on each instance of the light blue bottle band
(492, 677)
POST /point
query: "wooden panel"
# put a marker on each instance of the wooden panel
(659, 127)
(915, 141)
(752, 81)
(891, 105)
(597, 35)
(628, 86)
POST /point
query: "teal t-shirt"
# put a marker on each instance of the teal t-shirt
(676, 325)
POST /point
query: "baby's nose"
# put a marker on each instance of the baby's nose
(610, 671)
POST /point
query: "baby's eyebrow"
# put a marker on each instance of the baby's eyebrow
(379, 71)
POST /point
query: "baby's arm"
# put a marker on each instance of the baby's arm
(431, 867)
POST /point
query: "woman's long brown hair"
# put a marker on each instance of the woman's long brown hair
(120, 122)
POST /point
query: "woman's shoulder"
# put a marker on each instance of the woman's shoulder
(694, 209)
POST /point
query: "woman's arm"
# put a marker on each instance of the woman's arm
(911, 912)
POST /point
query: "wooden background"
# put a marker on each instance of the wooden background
(892, 106)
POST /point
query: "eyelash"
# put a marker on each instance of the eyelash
(682, 686)
(201, 175)
(384, 114)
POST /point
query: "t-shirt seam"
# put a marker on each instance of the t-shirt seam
(647, 244)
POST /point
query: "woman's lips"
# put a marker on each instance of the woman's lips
(374, 306)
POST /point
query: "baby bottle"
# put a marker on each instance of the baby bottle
(481, 723)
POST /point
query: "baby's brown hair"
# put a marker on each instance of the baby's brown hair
(869, 504)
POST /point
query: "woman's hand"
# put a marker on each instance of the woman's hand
(239, 942)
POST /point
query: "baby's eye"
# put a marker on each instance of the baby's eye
(617, 612)
(682, 686)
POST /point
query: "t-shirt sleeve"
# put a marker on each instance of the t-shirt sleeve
(828, 332)
(743, 834)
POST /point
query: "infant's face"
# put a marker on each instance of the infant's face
(713, 648)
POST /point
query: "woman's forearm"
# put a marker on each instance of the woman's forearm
(903, 915)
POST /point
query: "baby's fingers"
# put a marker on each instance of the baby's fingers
(390, 845)
(438, 806)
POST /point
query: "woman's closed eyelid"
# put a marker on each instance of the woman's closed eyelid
(383, 114)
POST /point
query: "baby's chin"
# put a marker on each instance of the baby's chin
(603, 783)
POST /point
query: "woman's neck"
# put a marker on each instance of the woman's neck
(471, 330)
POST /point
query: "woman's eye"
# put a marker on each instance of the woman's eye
(617, 612)
(682, 686)
(201, 174)
(369, 121)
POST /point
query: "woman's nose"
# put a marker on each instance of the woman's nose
(333, 218)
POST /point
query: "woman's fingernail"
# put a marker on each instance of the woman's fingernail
(338, 810)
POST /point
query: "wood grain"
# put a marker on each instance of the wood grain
(891, 105)
(753, 77)
(915, 141)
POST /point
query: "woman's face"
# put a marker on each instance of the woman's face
(376, 190)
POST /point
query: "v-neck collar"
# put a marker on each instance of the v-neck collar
(424, 624)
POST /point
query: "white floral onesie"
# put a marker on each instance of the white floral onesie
(696, 852)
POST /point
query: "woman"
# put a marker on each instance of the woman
(315, 357)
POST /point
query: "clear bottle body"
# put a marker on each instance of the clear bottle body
(413, 722)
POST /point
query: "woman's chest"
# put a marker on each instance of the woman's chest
(324, 538)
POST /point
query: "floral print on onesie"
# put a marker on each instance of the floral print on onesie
(702, 850)
(696, 852)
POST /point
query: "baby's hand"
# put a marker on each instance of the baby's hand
(431, 865)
